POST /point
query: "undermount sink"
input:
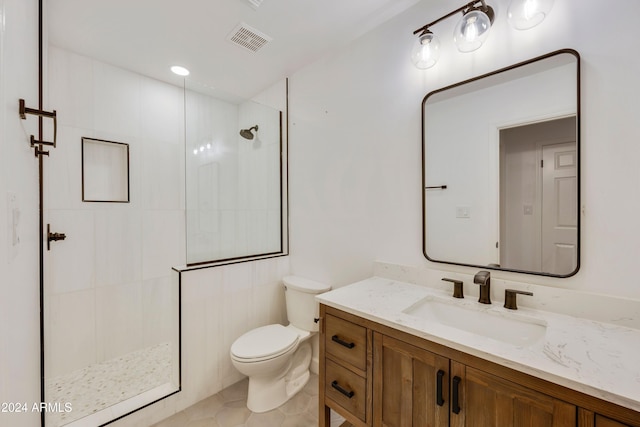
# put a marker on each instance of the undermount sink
(510, 328)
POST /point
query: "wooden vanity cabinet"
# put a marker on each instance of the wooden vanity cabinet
(589, 419)
(345, 368)
(374, 375)
(601, 421)
(411, 385)
(488, 400)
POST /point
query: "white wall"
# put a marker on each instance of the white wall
(19, 284)
(355, 142)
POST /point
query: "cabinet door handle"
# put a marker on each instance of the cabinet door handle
(439, 397)
(455, 398)
(349, 394)
(337, 339)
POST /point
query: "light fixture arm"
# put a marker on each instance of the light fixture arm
(464, 8)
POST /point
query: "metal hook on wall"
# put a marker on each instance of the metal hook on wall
(23, 111)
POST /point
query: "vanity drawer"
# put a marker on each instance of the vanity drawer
(346, 341)
(346, 388)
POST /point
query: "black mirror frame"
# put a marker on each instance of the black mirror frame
(578, 171)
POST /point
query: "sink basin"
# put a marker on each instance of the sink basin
(497, 324)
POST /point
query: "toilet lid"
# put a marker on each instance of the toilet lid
(266, 341)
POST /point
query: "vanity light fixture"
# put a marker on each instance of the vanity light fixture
(426, 50)
(471, 31)
(525, 14)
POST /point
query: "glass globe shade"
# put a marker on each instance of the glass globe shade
(472, 30)
(426, 51)
(525, 14)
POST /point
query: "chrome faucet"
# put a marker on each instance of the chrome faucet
(483, 278)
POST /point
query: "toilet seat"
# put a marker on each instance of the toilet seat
(266, 342)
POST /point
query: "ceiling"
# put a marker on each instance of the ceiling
(149, 36)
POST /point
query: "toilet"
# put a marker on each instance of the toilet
(276, 358)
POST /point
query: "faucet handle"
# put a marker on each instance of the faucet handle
(457, 287)
(510, 298)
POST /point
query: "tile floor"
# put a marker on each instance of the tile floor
(228, 409)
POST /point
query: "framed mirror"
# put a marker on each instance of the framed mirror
(501, 168)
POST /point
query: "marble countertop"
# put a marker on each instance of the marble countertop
(595, 358)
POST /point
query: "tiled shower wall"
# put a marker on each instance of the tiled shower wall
(107, 288)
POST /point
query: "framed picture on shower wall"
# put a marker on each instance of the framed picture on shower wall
(105, 171)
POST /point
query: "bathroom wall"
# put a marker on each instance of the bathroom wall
(355, 142)
(19, 306)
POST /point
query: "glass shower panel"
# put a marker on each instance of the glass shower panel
(111, 298)
(233, 177)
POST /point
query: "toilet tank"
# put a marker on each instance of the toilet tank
(302, 308)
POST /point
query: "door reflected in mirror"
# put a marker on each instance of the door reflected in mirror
(501, 169)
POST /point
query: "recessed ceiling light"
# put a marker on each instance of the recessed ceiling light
(181, 71)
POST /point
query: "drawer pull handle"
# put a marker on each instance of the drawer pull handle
(337, 339)
(455, 395)
(349, 394)
(439, 397)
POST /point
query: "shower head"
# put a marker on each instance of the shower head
(247, 133)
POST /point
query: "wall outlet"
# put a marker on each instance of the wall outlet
(463, 212)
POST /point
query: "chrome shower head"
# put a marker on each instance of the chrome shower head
(247, 133)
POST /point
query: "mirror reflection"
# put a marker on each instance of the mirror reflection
(501, 169)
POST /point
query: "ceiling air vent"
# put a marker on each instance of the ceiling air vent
(248, 38)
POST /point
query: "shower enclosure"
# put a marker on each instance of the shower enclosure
(148, 178)
(234, 186)
(111, 300)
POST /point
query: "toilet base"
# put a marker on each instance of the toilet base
(271, 391)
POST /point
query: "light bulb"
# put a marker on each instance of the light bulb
(525, 14)
(472, 30)
(426, 51)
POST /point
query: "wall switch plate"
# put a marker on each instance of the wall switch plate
(463, 212)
